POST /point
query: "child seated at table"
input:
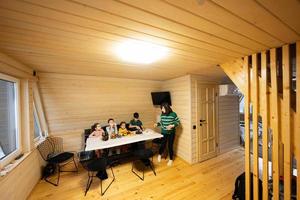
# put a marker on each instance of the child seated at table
(112, 131)
(97, 131)
(136, 123)
(123, 130)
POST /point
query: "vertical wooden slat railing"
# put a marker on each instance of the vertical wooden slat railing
(254, 101)
(297, 136)
(264, 115)
(280, 116)
(274, 124)
(286, 121)
(247, 127)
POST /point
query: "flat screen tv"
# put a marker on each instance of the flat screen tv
(161, 97)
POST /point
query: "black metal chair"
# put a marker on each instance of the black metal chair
(143, 156)
(52, 152)
(94, 166)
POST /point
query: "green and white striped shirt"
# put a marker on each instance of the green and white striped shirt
(166, 120)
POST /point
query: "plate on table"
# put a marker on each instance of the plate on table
(148, 131)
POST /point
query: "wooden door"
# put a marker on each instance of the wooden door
(207, 121)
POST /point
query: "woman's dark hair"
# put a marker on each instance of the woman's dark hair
(122, 123)
(110, 119)
(167, 108)
(136, 115)
(94, 126)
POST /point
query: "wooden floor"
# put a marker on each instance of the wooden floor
(212, 179)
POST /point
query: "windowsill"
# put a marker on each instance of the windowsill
(14, 163)
(39, 141)
(11, 166)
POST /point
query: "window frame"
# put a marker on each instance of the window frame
(10, 157)
(36, 117)
(41, 137)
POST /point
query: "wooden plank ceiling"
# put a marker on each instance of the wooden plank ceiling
(79, 36)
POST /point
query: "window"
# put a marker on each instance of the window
(37, 127)
(10, 145)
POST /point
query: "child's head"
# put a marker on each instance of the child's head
(123, 125)
(136, 115)
(111, 122)
(96, 127)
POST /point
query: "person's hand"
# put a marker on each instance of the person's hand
(155, 125)
(170, 127)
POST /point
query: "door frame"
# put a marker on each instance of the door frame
(197, 84)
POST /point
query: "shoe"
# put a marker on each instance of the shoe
(159, 158)
(170, 163)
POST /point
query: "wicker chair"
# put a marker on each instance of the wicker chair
(52, 152)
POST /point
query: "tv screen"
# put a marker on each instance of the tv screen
(161, 97)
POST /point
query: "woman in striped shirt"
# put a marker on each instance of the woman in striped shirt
(168, 123)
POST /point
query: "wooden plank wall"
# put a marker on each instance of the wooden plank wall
(19, 182)
(276, 110)
(181, 104)
(229, 126)
(73, 103)
(14, 68)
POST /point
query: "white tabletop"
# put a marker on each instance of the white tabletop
(98, 143)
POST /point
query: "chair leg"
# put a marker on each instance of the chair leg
(88, 185)
(68, 163)
(75, 164)
(152, 166)
(102, 193)
(58, 177)
(46, 179)
(58, 173)
(142, 178)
